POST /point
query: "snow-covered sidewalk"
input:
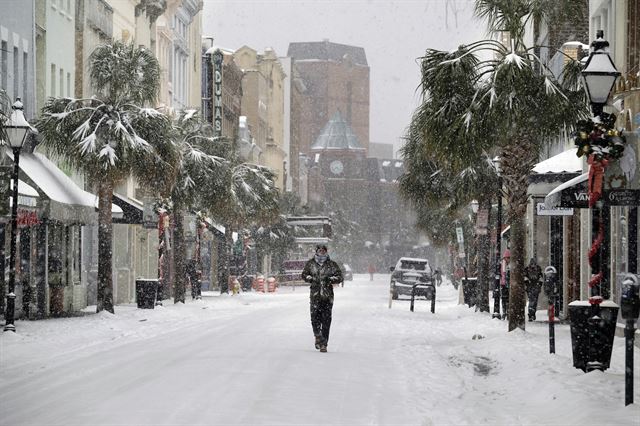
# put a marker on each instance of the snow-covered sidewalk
(249, 359)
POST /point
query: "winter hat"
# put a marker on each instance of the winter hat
(321, 247)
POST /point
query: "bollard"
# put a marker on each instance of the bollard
(551, 290)
(413, 296)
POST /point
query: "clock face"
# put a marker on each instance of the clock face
(336, 167)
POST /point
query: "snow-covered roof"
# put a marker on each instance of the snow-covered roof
(565, 162)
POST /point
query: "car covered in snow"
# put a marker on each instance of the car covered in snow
(410, 272)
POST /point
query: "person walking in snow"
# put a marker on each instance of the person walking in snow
(372, 270)
(532, 285)
(321, 273)
(437, 275)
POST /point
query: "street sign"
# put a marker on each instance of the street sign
(460, 235)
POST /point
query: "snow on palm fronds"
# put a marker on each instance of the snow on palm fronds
(122, 72)
(195, 168)
(90, 133)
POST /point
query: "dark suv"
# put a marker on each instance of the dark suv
(411, 271)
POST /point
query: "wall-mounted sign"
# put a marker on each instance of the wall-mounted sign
(541, 210)
(575, 197)
(622, 197)
(27, 218)
(217, 92)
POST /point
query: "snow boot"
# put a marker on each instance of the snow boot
(323, 348)
(318, 342)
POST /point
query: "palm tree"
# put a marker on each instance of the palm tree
(245, 195)
(109, 136)
(197, 177)
(514, 106)
(446, 165)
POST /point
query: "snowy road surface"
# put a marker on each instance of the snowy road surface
(250, 360)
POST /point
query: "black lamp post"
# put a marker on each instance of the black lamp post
(599, 74)
(16, 129)
(593, 323)
(496, 284)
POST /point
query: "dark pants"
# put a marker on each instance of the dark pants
(533, 294)
(196, 288)
(321, 318)
(504, 295)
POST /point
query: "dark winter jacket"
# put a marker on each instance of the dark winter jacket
(533, 276)
(322, 277)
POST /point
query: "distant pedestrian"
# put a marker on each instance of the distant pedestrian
(532, 285)
(371, 270)
(193, 275)
(437, 275)
(321, 272)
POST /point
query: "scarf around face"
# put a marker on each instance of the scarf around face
(320, 259)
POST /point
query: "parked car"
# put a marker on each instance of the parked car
(411, 271)
(347, 273)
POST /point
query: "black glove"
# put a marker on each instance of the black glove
(308, 278)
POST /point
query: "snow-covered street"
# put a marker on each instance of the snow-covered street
(250, 360)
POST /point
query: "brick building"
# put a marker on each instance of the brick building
(336, 77)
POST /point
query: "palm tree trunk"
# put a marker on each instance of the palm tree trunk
(105, 252)
(225, 260)
(180, 255)
(484, 256)
(519, 156)
(517, 300)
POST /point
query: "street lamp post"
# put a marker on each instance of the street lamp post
(16, 129)
(496, 283)
(593, 323)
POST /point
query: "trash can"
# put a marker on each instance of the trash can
(146, 293)
(592, 340)
(469, 290)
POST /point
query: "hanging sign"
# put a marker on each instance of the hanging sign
(542, 210)
(622, 177)
(149, 215)
(217, 92)
(482, 220)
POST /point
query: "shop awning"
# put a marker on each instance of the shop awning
(27, 195)
(131, 209)
(573, 193)
(66, 202)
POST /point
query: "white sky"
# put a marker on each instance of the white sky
(249, 360)
(393, 33)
